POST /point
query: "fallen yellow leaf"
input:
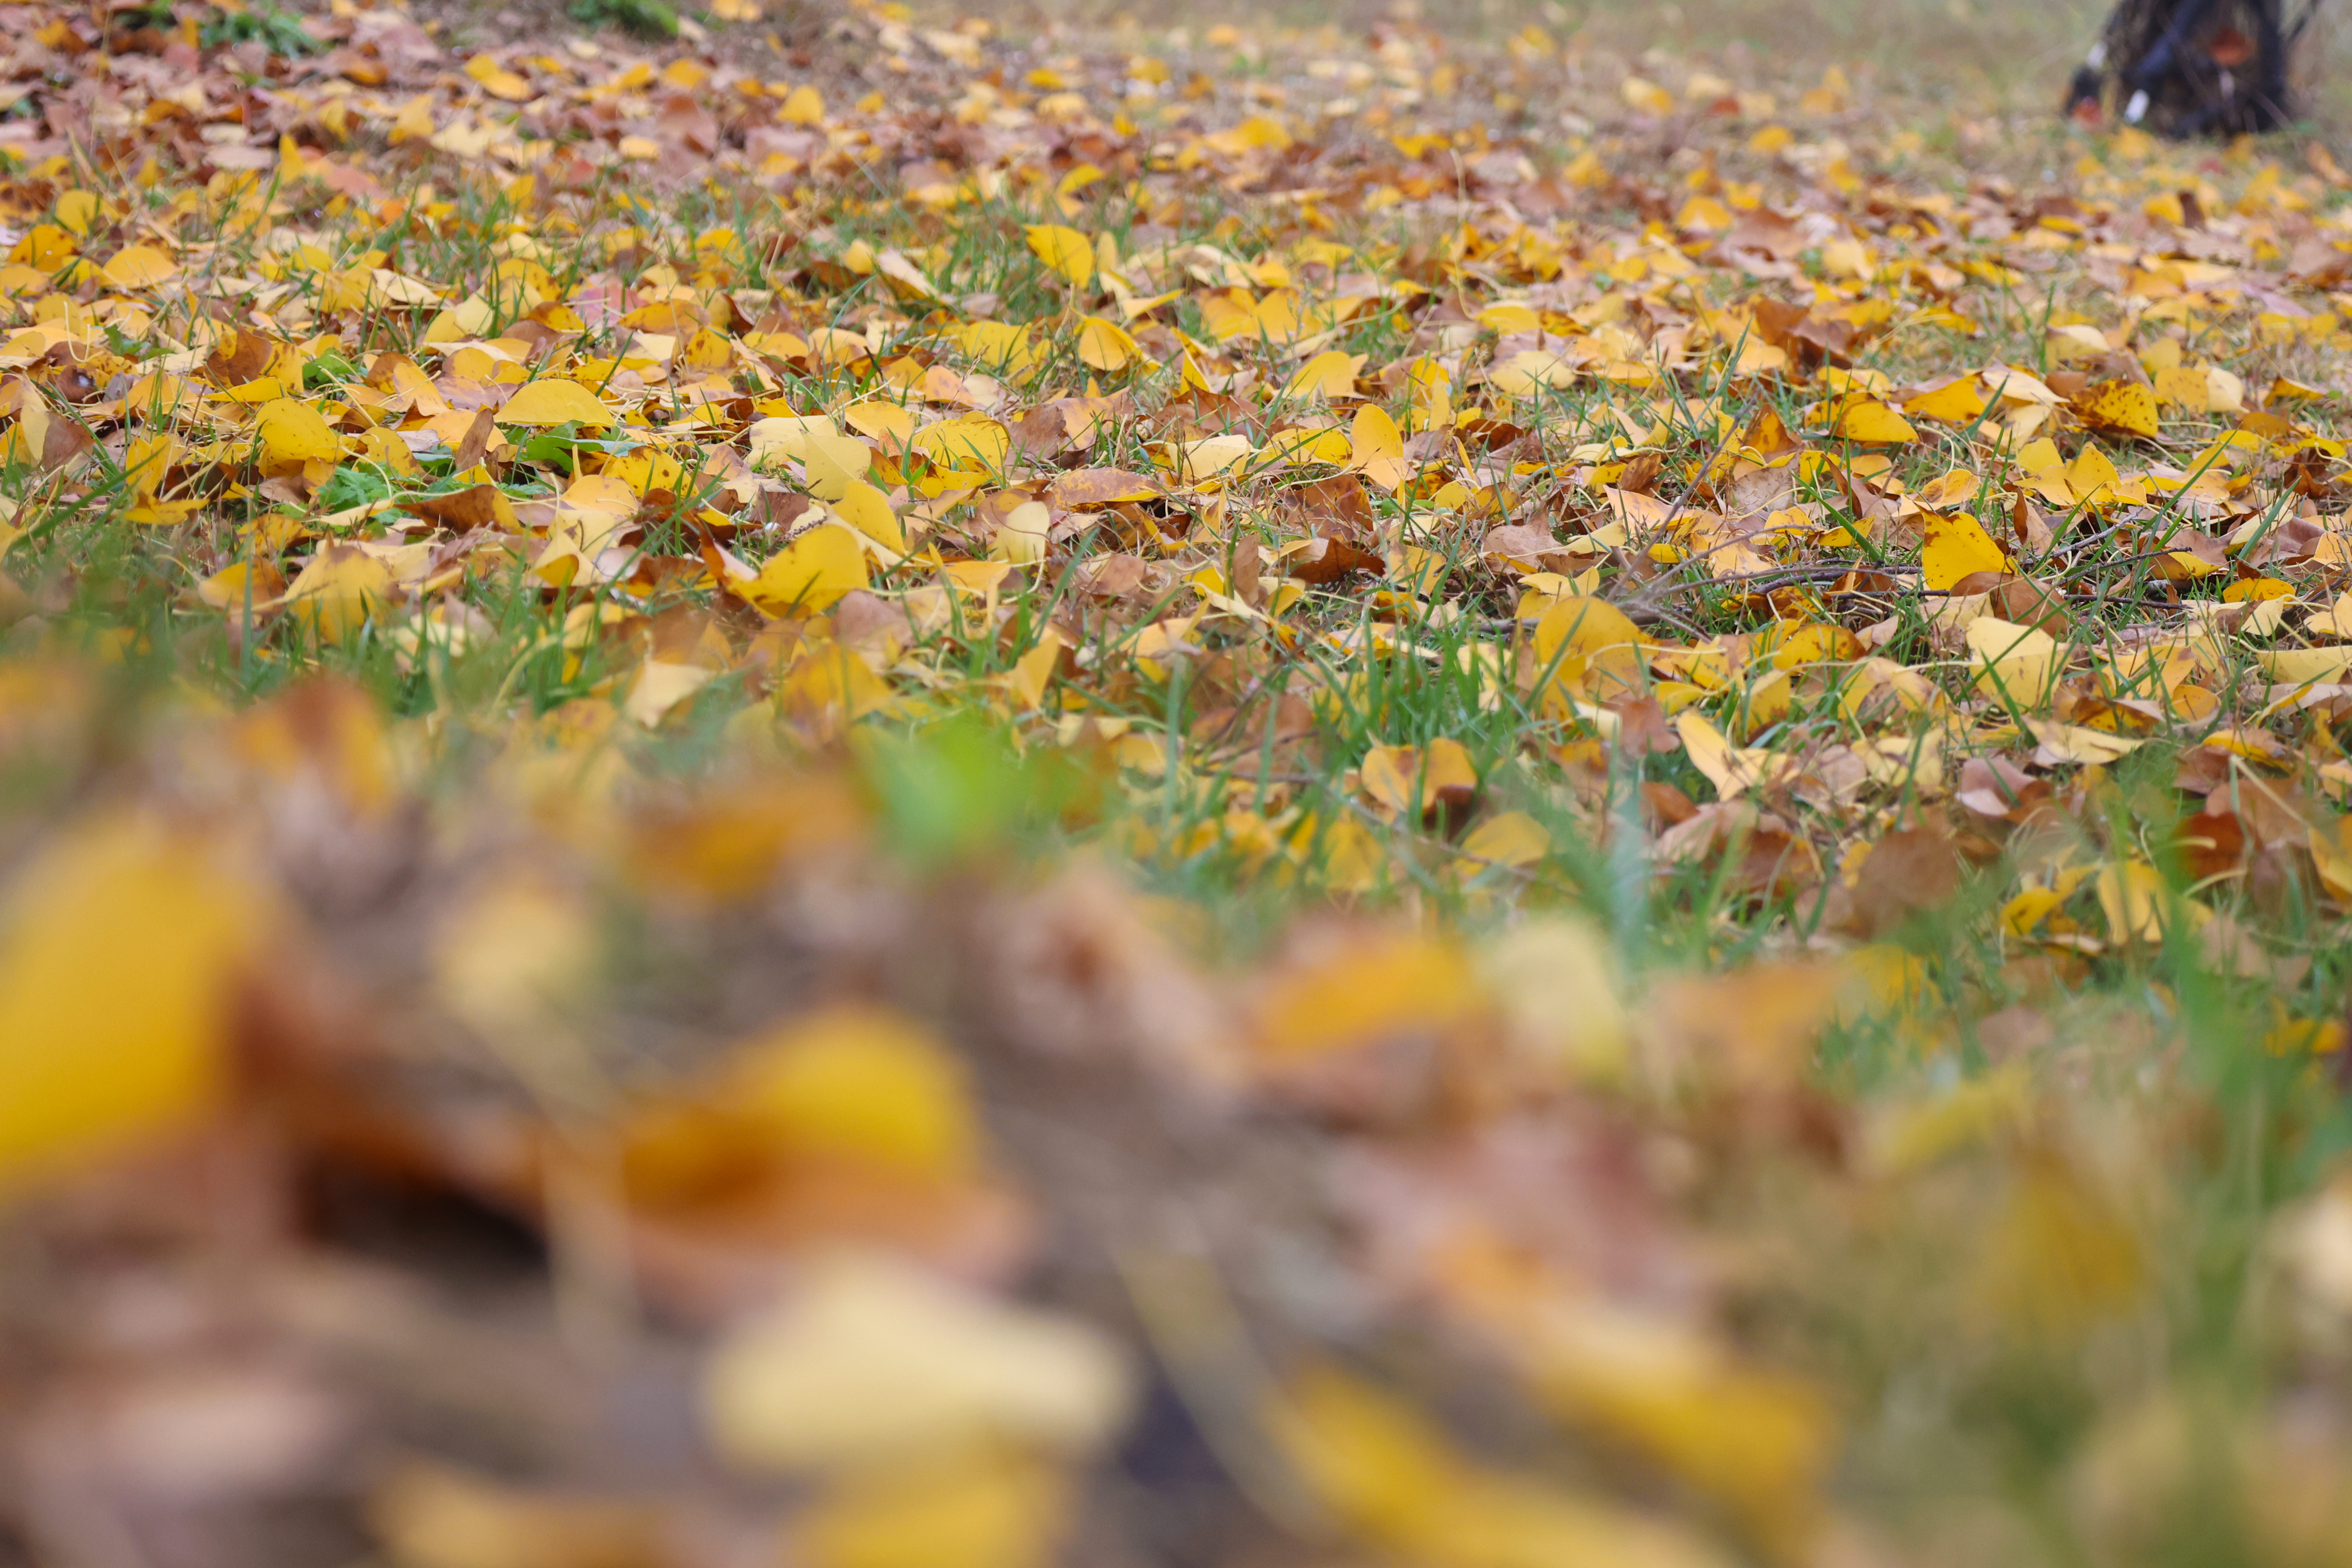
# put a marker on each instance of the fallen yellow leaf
(554, 401)
(290, 434)
(1873, 422)
(808, 574)
(119, 945)
(336, 591)
(1957, 546)
(2124, 407)
(139, 267)
(1065, 251)
(869, 1361)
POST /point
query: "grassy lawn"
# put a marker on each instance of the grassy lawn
(870, 788)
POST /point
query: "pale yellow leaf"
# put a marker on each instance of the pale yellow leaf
(2014, 664)
(336, 591)
(554, 401)
(892, 424)
(118, 950)
(867, 510)
(1106, 346)
(1377, 986)
(1065, 251)
(1022, 537)
(870, 1362)
(661, 686)
(1509, 839)
(291, 434)
(1555, 981)
(1331, 373)
(968, 441)
(139, 267)
(808, 574)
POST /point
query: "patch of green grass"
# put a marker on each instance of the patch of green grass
(280, 32)
(642, 19)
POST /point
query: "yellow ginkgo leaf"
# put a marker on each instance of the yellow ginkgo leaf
(1510, 316)
(1388, 1474)
(2300, 666)
(1369, 988)
(1957, 487)
(78, 212)
(849, 1087)
(2060, 1256)
(784, 437)
(833, 461)
(1871, 421)
(892, 424)
(426, 1513)
(661, 686)
(414, 120)
(290, 434)
(496, 80)
(508, 957)
(1430, 385)
(2124, 407)
(994, 345)
(867, 510)
(139, 267)
(1732, 769)
(1553, 977)
(1206, 459)
(2060, 743)
(2132, 896)
(2183, 386)
(1064, 250)
(1512, 839)
(1418, 778)
(1105, 345)
(1376, 447)
(1022, 537)
(968, 441)
(2259, 590)
(1588, 645)
(2015, 664)
(2092, 477)
(118, 948)
(1033, 671)
(1956, 546)
(1331, 373)
(808, 574)
(147, 461)
(335, 594)
(2335, 621)
(1960, 400)
(803, 106)
(1524, 372)
(1373, 437)
(45, 248)
(555, 401)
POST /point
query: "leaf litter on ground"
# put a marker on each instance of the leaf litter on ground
(953, 796)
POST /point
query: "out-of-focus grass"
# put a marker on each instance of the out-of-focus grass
(1976, 57)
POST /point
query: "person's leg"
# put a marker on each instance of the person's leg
(2164, 60)
(2268, 107)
